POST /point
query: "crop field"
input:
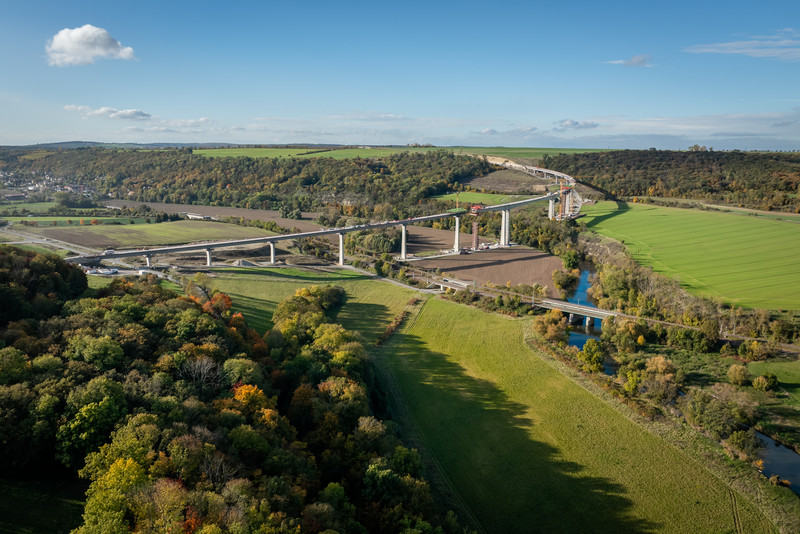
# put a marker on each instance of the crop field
(370, 306)
(310, 152)
(78, 220)
(470, 197)
(527, 449)
(744, 260)
(142, 235)
(34, 207)
(520, 152)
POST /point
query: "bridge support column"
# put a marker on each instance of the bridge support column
(208, 257)
(457, 243)
(402, 241)
(147, 260)
(589, 321)
(551, 209)
(503, 228)
(508, 228)
(341, 249)
(272, 252)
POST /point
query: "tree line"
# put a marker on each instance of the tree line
(769, 181)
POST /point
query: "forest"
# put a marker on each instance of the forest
(767, 181)
(184, 419)
(397, 183)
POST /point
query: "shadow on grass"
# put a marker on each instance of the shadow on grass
(621, 208)
(510, 482)
(370, 320)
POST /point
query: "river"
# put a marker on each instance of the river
(778, 460)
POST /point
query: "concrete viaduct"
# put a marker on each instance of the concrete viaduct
(505, 234)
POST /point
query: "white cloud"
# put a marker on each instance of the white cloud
(569, 124)
(81, 46)
(783, 45)
(111, 113)
(641, 60)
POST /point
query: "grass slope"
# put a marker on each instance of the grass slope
(529, 450)
(745, 260)
(370, 306)
(38, 506)
(468, 197)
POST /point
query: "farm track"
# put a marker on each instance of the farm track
(737, 522)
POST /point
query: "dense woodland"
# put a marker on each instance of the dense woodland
(394, 185)
(769, 181)
(186, 420)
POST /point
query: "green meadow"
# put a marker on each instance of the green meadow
(741, 259)
(470, 197)
(527, 449)
(34, 207)
(520, 152)
(77, 220)
(370, 306)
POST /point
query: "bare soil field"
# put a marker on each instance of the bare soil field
(518, 265)
(508, 181)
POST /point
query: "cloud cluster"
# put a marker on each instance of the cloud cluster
(569, 124)
(783, 45)
(111, 113)
(81, 46)
(641, 60)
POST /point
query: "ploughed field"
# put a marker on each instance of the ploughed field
(517, 265)
(741, 259)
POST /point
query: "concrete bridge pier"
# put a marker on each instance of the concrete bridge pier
(456, 243)
(551, 209)
(341, 248)
(208, 257)
(402, 241)
(589, 321)
(272, 252)
(508, 227)
(503, 215)
(147, 260)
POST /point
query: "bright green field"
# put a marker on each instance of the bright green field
(370, 307)
(529, 450)
(141, 235)
(744, 260)
(469, 197)
(250, 152)
(37, 207)
(788, 373)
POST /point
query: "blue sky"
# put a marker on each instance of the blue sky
(587, 74)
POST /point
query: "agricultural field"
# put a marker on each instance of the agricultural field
(370, 306)
(514, 153)
(528, 449)
(33, 207)
(310, 152)
(471, 197)
(744, 260)
(76, 220)
(142, 235)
